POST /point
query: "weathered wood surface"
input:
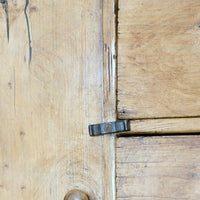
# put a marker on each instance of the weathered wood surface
(158, 58)
(46, 106)
(165, 126)
(109, 94)
(158, 168)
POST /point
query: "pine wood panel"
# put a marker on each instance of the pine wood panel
(165, 126)
(158, 58)
(109, 94)
(158, 168)
(46, 106)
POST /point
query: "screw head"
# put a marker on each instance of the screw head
(108, 128)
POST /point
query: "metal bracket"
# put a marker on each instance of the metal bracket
(109, 127)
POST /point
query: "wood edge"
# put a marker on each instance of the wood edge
(109, 94)
(128, 114)
(165, 126)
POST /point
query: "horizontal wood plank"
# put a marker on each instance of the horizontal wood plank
(165, 126)
(158, 58)
(158, 168)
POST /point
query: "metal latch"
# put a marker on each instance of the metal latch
(109, 127)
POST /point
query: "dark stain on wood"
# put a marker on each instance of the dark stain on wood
(22, 133)
(23, 188)
(33, 9)
(10, 85)
(5, 166)
(5, 8)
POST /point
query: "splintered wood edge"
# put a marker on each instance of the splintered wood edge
(165, 126)
(109, 93)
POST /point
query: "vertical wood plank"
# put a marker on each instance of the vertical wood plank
(46, 106)
(109, 101)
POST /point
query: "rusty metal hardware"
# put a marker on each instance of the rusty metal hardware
(109, 127)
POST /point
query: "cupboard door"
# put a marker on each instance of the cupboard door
(157, 168)
(47, 102)
(158, 58)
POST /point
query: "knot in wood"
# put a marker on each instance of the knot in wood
(76, 195)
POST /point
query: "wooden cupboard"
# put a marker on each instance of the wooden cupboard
(69, 64)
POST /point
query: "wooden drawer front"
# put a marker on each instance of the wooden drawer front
(158, 168)
(158, 58)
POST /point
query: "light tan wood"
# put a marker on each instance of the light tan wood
(76, 195)
(165, 126)
(158, 168)
(158, 58)
(45, 107)
(109, 94)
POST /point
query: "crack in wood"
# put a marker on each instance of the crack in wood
(5, 7)
(28, 28)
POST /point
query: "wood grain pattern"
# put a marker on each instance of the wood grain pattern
(76, 195)
(158, 58)
(165, 126)
(45, 107)
(158, 168)
(109, 94)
